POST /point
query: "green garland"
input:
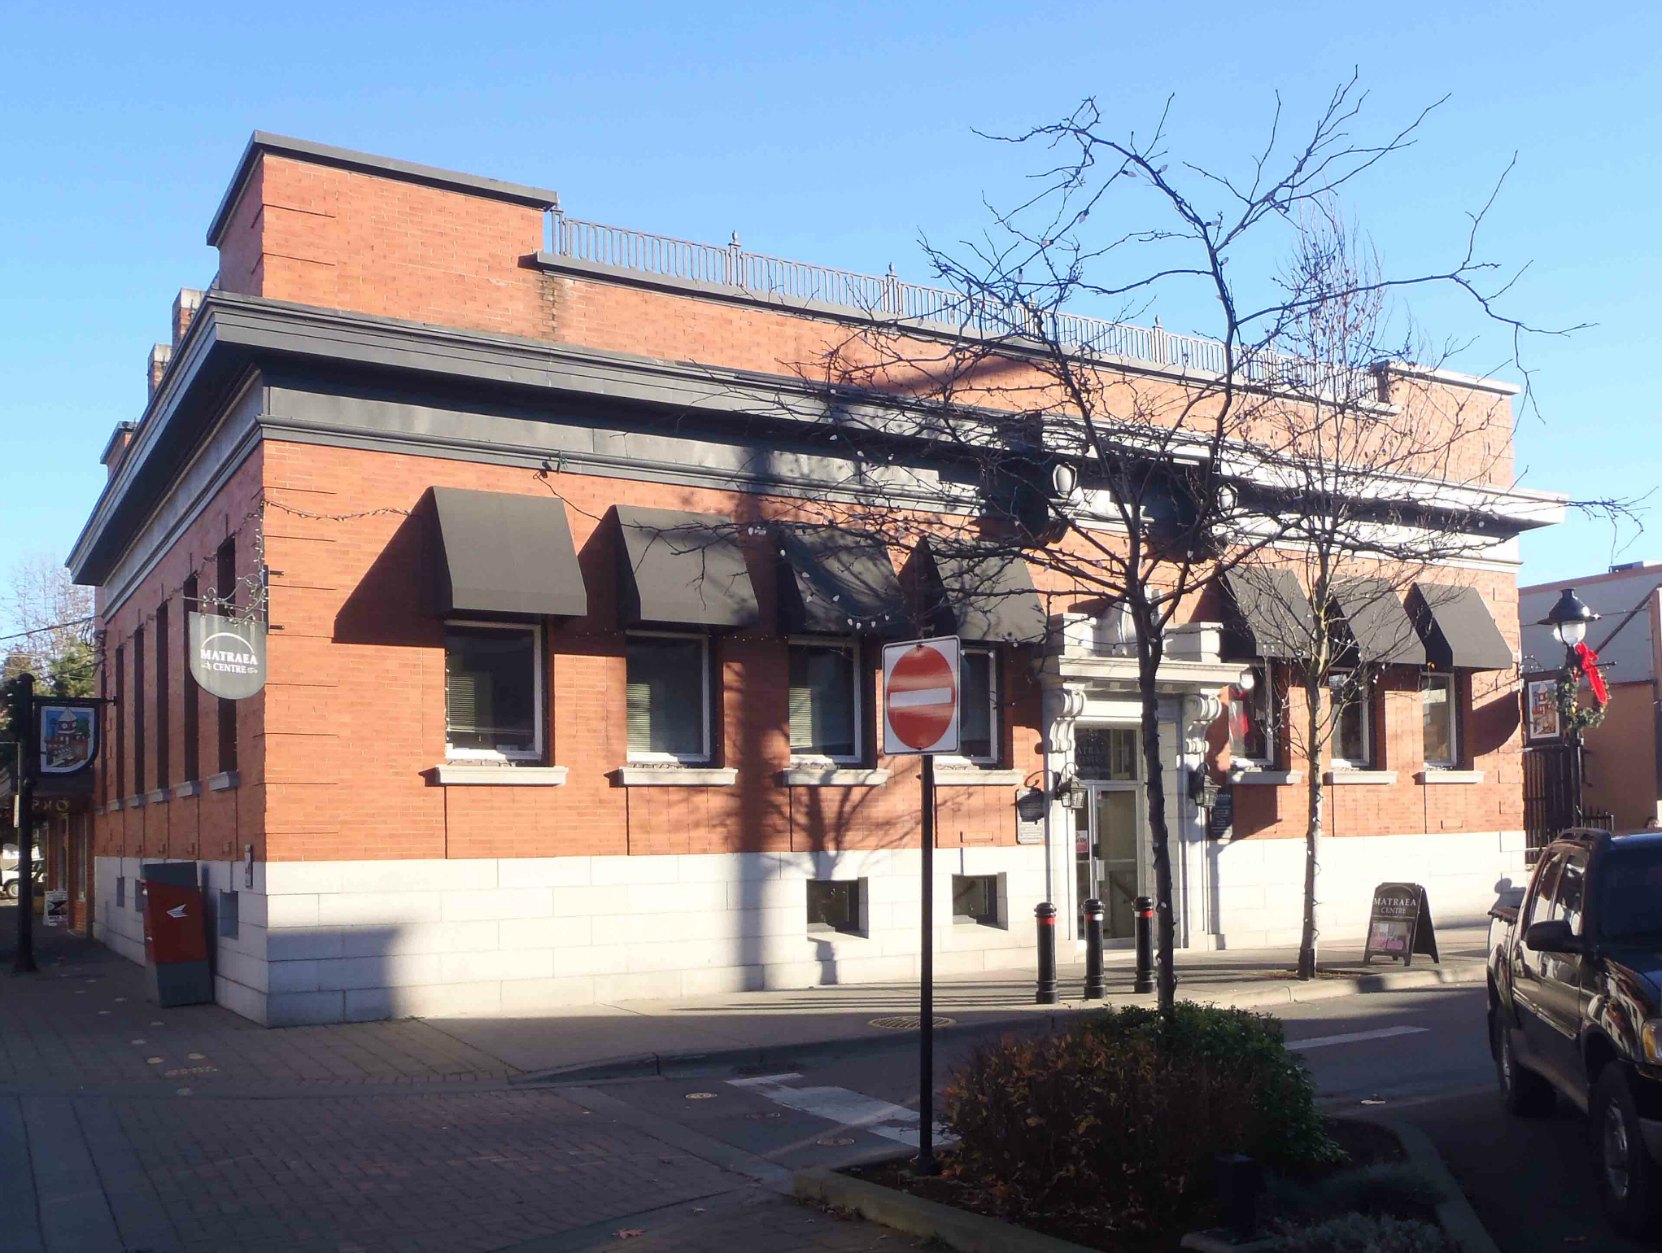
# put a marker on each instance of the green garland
(1573, 716)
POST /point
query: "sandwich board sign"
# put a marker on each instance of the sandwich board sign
(1399, 924)
(921, 696)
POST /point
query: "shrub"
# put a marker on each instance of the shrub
(1366, 1233)
(1124, 1113)
(1389, 1188)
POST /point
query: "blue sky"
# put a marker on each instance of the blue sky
(836, 133)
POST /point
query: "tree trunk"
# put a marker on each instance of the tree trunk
(1150, 648)
(1314, 796)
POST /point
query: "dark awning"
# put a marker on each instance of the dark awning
(503, 553)
(682, 569)
(1273, 613)
(1378, 623)
(982, 598)
(838, 583)
(1458, 630)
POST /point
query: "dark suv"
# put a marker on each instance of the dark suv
(1575, 1006)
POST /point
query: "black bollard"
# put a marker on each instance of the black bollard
(1240, 1182)
(1094, 984)
(1045, 912)
(1145, 945)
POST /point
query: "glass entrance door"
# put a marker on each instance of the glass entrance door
(1110, 850)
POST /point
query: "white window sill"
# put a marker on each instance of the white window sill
(183, 790)
(223, 781)
(1359, 778)
(133, 802)
(832, 776)
(1433, 775)
(1267, 778)
(971, 775)
(158, 797)
(675, 776)
(455, 773)
(835, 933)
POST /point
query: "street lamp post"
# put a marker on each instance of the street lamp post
(1568, 619)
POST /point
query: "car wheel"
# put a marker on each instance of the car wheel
(1524, 1092)
(9, 891)
(1628, 1179)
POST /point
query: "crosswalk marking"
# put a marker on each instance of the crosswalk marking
(1352, 1037)
(842, 1106)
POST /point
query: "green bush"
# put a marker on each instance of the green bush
(1390, 1188)
(1366, 1233)
(1124, 1113)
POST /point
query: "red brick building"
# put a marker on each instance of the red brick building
(521, 745)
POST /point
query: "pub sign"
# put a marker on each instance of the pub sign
(227, 655)
(67, 732)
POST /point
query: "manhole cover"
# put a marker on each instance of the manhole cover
(907, 1022)
(767, 1113)
(701, 1096)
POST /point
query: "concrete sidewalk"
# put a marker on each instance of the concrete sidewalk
(83, 1020)
(740, 1030)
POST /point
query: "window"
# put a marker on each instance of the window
(1254, 719)
(225, 589)
(120, 723)
(837, 905)
(191, 721)
(668, 698)
(978, 729)
(1571, 896)
(975, 899)
(139, 739)
(824, 700)
(492, 692)
(1353, 725)
(164, 699)
(1440, 712)
(1540, 904)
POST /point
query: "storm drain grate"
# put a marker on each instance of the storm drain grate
(907, 1022)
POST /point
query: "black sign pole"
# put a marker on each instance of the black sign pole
(28, 741)
(926, 982)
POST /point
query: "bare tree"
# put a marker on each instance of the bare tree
(1378, 479)
(48, 622)
(1111, 456)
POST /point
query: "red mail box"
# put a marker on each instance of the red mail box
(174, 927)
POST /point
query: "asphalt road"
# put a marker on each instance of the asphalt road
(1420, 1055)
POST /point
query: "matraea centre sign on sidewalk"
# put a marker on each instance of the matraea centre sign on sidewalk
(227, 655)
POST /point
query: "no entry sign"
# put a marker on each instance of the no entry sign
(920, 696)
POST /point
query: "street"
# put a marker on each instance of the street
(193, 1131)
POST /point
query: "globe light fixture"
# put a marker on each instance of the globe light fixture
(1568, 618)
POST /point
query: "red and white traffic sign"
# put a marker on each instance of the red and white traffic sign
(920, 696)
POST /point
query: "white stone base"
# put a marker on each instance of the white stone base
(351, 941)
(1260, 892)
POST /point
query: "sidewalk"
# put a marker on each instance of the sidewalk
(84, 1020)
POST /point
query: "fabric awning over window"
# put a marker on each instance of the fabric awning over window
(1273, 613)
(506, 554)
(838, 583)
(1378, 623)
(1458, 630)
(983, 599)
(682, 569)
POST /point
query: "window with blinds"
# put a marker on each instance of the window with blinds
(492, 692)
(825, 700)
(668, 698)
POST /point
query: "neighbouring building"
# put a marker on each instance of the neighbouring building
(1623, 754)
(523, 744)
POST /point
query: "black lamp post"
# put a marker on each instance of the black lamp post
(1568, 619)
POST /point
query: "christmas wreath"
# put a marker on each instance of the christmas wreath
(1572, 714)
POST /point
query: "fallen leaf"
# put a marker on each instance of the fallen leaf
(629, 1233)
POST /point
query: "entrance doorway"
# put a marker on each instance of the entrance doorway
(1110, 853)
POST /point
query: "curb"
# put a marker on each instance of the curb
(1454, 1213)
(710, 1063)
(957, 1229)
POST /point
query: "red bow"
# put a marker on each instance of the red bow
(1589, 662)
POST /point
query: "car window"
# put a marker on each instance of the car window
(1570, 899)
(1630, 895)
(1545, 891)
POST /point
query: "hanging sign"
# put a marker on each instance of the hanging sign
(67, 735)
(1399, 924)
(920, 696)
(227, 655)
